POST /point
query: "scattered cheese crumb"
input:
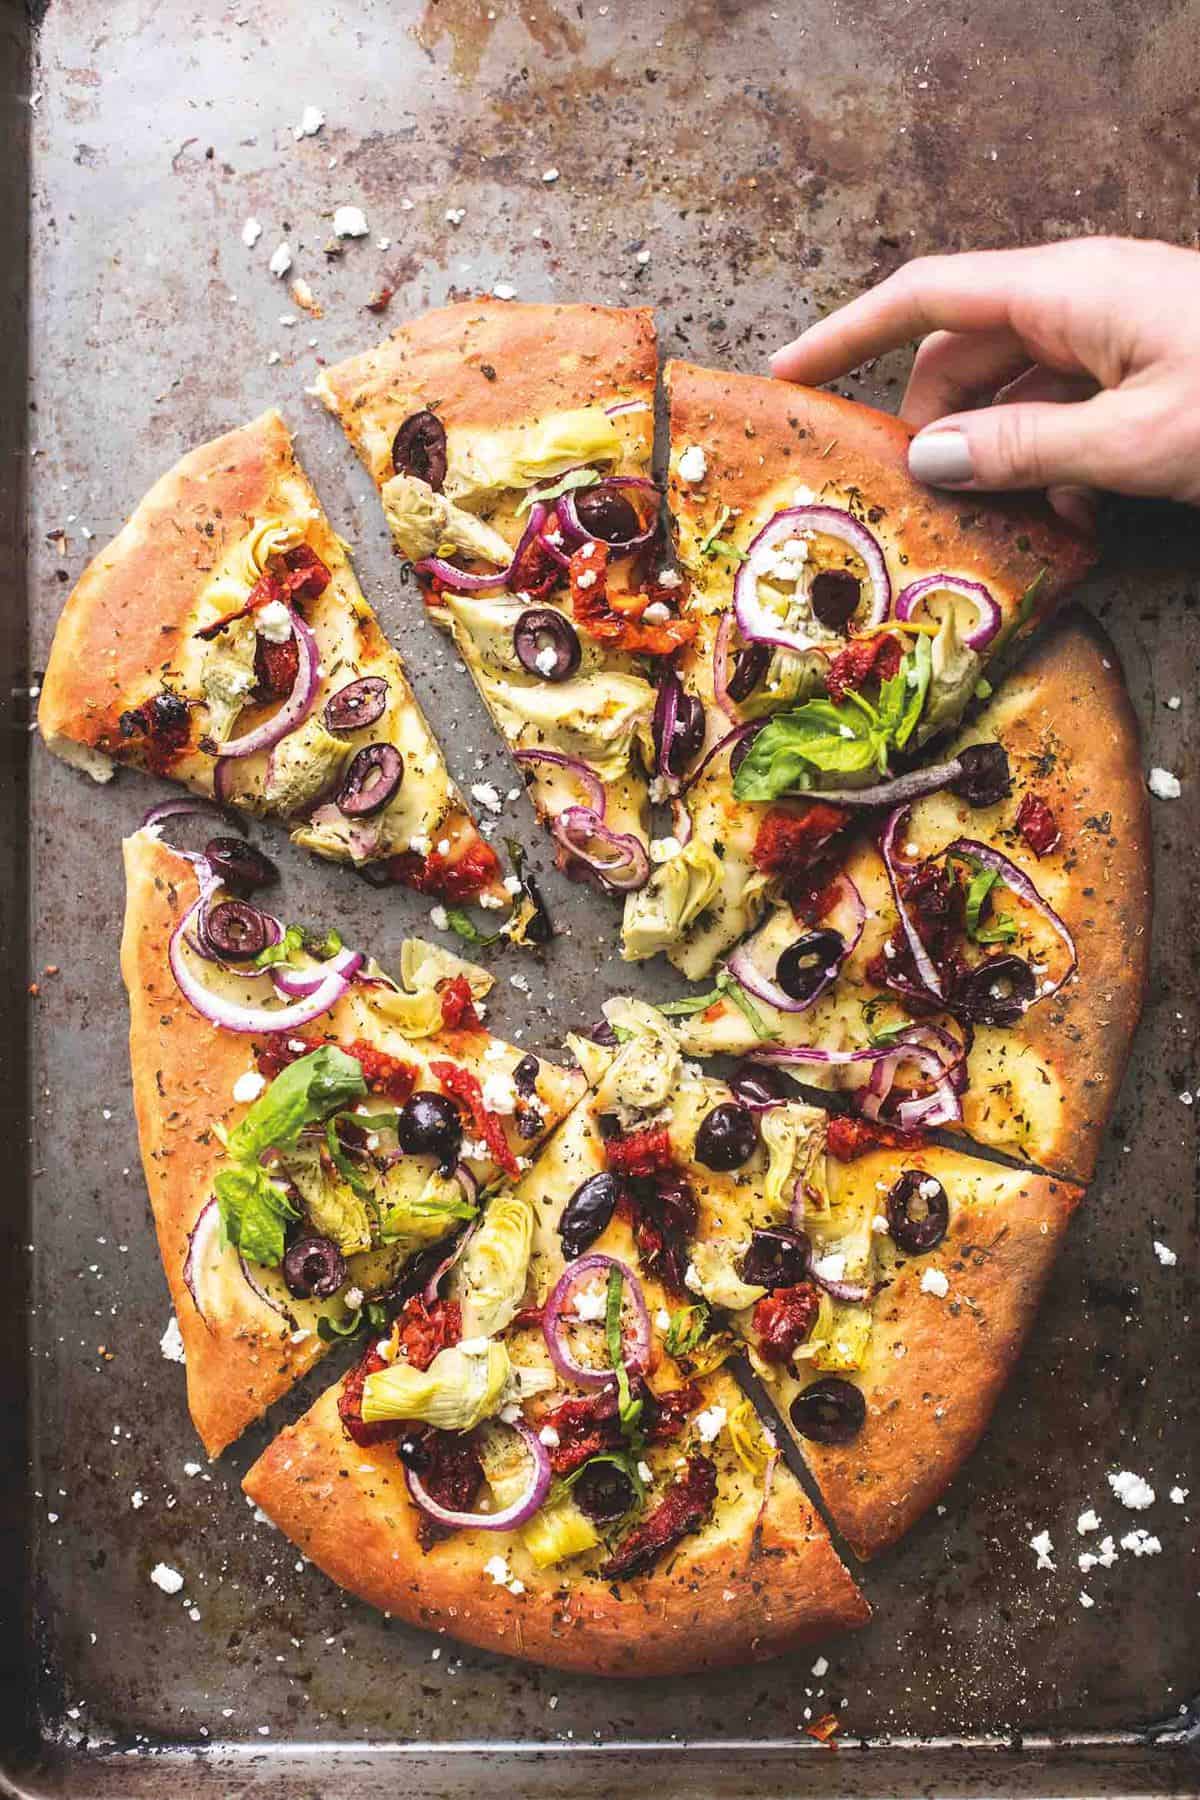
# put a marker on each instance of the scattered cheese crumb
(281, 260)
(504, 290)
(166, 1578)
(820, 1667)
(1041, 1546)
(137, 1499)
(1087, 1521)
(1175, 702)
(710, 1423)
(1178, 1495)
(251, 232)
(1163, 785)
(311, 121)
(693, 464)
(550, 174)
(439, 918)
(591, 1302)
(934, 1281)
(1131, 1490)
(171, 1341)
(1165, 1255)
(549, 1437)
(455, 215)
(1142, 1543)
(486, 795)
(1085, 1599)
(350, 221)
(879, 1225)
(248, 1087)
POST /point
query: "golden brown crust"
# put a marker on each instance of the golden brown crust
(936, 1364)
(716, 1601)
(759, 434)
(541, 358)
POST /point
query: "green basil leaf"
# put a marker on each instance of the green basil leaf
(915, 674)
(566, 484)
(343, 1163)
(710, 545)
(820, 735)
(682, 1009)
(730, 986)
(688, 1325)
(304, 1093)
(629, 1410)
(253, 1211)
(463, 926)
(1030, 595)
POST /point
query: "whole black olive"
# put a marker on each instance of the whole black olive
(756, 1085)
(587, 1213)
(414, 1452)
(727, 1137)
(804, 965)
(995, 992)
(604, 1492)
(605, 513)
(314, 1268)
(751, 665)
(373, 777)
(419, 448)
(359, 703)
(525, 1076)
(986, 777)
(240, 866)
(834, 598)
(779, 1257)
(918, 1212)
(829, 1411)
(547, 643)
(429, 1125)
(235, 930)
(687, 734)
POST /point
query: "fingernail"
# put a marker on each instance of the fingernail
(942, 458)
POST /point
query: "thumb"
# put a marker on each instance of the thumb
(1031, 445)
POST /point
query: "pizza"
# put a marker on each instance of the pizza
(525, 1462)
(844, 619)
(222, 640)
(511, 446)
(313, 1131)
(977, 958)
(882, 1289)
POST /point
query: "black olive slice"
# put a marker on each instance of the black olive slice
(986, 777)
(429, 1124)
(804, 965)
(419, 448)
(918, 1212)
(239, 865)
(547, 644)
(748, 670)
(995, 992)
(834, 598)
(829, 1411)
(587, 1212)
(235, 930)
(314, 1268)
(779, 1257)
(375, 773)
(359, 703)
(605, 513)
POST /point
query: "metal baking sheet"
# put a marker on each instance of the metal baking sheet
(742, 166)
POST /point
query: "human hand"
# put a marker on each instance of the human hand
(1066, 366)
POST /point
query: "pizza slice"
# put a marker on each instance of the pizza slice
(312, 1131)
(512, 445)
(222, 640)
(883, 1292)
(523, 1462)
(844, 618)
(981, 958)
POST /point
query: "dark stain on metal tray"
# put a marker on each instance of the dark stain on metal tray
(770, 160)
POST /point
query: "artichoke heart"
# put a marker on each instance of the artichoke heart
(713, 1274)
(423, 522)
(557, 1533)
(303, 765)
(795, 1144)
(463, 1386)
(334, 1210)
(489, 1279)
(597, 718)
(676, 894)
(423, 965)
(955, 671)
(584, 434)
(840, 1336)
(646, 1069)
(416, 1209)
(227, 677)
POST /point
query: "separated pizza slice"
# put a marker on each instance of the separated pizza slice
(222, 640)
(512, 445)
(311, 1130)
(524, 1464)
(980, 959)
(883, 1292)
(844, 617)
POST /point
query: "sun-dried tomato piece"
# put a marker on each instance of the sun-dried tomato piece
(682, 1509)
(164, 722)
(275, 668)
(784, 1319)
(422, 1331)
(848, 1138)
(792, 839)
(384, 1075)
(536, 572)
(350, 1404)
(641, 1153)
(619, 620)
(590, 1424)
(663, 1211)
(1037, 825)
(303, 575)
(448, 1467)
(458, 1005)
(862, 659)
(464, 1087)
(474, 868)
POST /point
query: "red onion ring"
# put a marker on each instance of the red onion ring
(756, 623)
(198, 1244)
(941, 1106)
(921, 957)
(990, 617)
(578, 828)
(430, 1291)
(222, 780)
(583, 773)
(663, 723)
(628, 406)
(228, 1015)
(721, 666)
(724, 743)
(681, 822)
(552, 1320)
(295, 708)
(464, 583)
(1019, 883)
(271, 1300)
(511, 1516)
(851, 1293)
(900, 792)
(741, 964)
(576, 532)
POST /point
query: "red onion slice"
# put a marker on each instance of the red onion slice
(721, 666)
(295, 708)
(921, 957)
(637, 1357)
(628, 406)
(900, 792)
(989, 621)
(850, 1293)
(681, 823)
(464, 583)
(575, 532)
(618, 860)
(663, 723)
(268, 1299)
(1019, 883)
(742, 967)
(756, 622)
(429, 1292)
(725, 743)
(583, 773)
(510, 1517)
(203, 1270)
(229, 1015)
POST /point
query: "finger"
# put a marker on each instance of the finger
(1029, 445)
(1079, 506)
(955, 369)
(1045, 384)
(983, 290)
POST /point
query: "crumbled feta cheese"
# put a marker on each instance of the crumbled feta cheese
(1042, 1547)
(1085, 1599)
(1131, 1490)
(418, 843)
(137, 1499)
(934, 1281)
(274, 622)
(504, 290)
(1165, 1255)
(520, 982)
(165, 1577)
(663, 849)
(498, 1569)
(499, 1094)
(1103, 1557)
(281, 260)
(251, 232)
(586, 578)
(691, 1279)
(171, 1341)
(820, 1667)
(311, 121)
(248, 1087)
(710, 1423)
(546, 660)
(591, 1302)
(879, 1224)
(486, 795)
(645, 1474)
(350, 221)
(1087, 1521)
(643, 257)
(191, 1468)
(693, 464)
(549, 175)
(439, 918)
(1175, 701)
(1178, 1495)
(549, 1437)
(1142, 1543)
(455, 215)
(929, 1189)
(1163, 785)
(354, 1298)
(831, 1267)
(669, 578)
(656, 613)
